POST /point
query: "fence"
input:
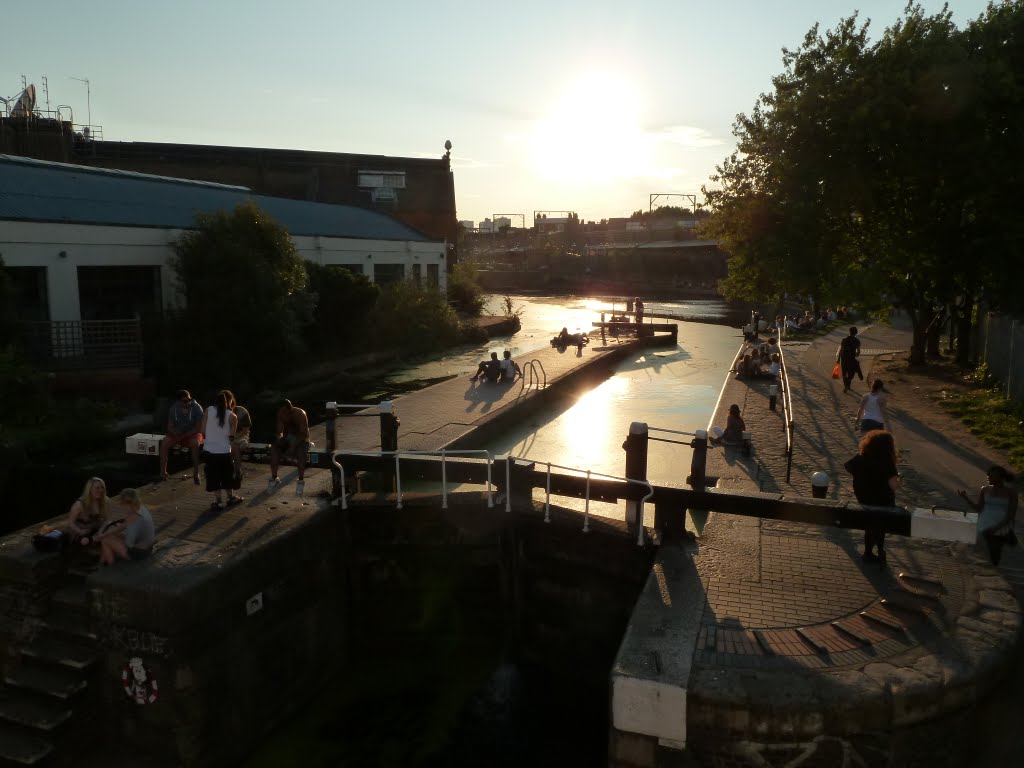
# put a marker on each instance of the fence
(66, 345)
(1002, 345)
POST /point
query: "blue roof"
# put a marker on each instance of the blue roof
(38, 190)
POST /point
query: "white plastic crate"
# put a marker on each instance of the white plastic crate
(143, 443)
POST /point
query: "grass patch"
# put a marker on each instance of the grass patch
(990, 416)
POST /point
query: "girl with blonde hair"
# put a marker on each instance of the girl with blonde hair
(89, 512)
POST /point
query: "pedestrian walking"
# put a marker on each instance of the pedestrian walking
(873, 412)
(875, 480)
(849, 351)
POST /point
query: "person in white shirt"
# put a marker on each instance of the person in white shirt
(509, 368)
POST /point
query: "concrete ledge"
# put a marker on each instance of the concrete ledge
(650, 677)
(944, 525)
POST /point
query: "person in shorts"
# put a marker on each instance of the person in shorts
(291, 442)
(183, 420)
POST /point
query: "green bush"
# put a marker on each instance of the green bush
(344, 303)
(464, 292)
(407, 315)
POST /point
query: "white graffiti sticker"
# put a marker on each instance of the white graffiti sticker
(138, 682)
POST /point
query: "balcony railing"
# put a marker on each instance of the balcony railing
(66, 345)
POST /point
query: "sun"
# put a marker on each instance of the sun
(591, 133)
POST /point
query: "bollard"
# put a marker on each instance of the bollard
(773, 392)
(636, 469)
(699, 461)
(388, 439)
(748, 443)
(819, 484)
(331, 440)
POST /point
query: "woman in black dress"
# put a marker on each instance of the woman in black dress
(875, 480)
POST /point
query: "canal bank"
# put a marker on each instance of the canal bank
(773, 643)
(239, 615)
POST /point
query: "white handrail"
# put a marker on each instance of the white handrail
(443, 454)
(671, 431)
(341, 469)
(586, 510)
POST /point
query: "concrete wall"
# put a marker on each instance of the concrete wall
(226, 673)
(36, 244)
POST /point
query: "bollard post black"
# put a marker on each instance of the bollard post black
(636, 469)
(773, 392)
(819, 484)
(699, 461)
(604, 341)
(389, 423)
(331, 440)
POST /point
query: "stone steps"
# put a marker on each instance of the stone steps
(49, 679)
(49, 647)
(18, 747)
(25, 708)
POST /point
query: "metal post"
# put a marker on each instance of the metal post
(699, 461)
(604, 341)
(388, 437)
(636, 469)
(773, 392)
(331, 441)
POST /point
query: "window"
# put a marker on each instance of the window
(433, 276)
(417, 273)
(388, 274)
(382, 179)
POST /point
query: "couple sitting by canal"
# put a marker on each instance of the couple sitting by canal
(495, 370)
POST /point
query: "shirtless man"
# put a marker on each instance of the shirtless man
(291, 441)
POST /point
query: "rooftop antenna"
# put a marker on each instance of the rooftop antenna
(88, 97)
(46, 92)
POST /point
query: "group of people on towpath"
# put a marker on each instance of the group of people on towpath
(495, 370)
(875, 469)
(219, 433)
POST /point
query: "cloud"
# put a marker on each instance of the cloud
(685, 136)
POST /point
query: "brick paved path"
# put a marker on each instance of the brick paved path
(784, 597)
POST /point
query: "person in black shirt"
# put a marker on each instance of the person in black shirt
(849, 351)
(875, 480)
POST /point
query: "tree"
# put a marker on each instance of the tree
(243, 284)
(343, 303)
(858, 179)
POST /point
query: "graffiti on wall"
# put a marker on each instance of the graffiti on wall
(135, 641)
(138, 682)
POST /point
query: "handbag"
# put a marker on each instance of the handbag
(835, 370)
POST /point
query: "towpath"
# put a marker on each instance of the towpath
(785, 598)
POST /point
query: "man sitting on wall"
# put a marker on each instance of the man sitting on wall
(183, 420)
(291, 442)
(489, 369)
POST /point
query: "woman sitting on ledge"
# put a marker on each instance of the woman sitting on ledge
(734, 428)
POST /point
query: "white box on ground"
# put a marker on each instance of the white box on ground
(254, 604)
(944, 525)
(144, 443)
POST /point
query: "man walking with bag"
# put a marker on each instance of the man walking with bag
(849, 351)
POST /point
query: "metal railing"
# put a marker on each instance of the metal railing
(442, 454)
(84, 344)
(787, 411)
(583, 473)
(532, 366)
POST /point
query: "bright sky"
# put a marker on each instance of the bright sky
(587, 106)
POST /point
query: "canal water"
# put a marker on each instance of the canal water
(671, 389)
(516, 714)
